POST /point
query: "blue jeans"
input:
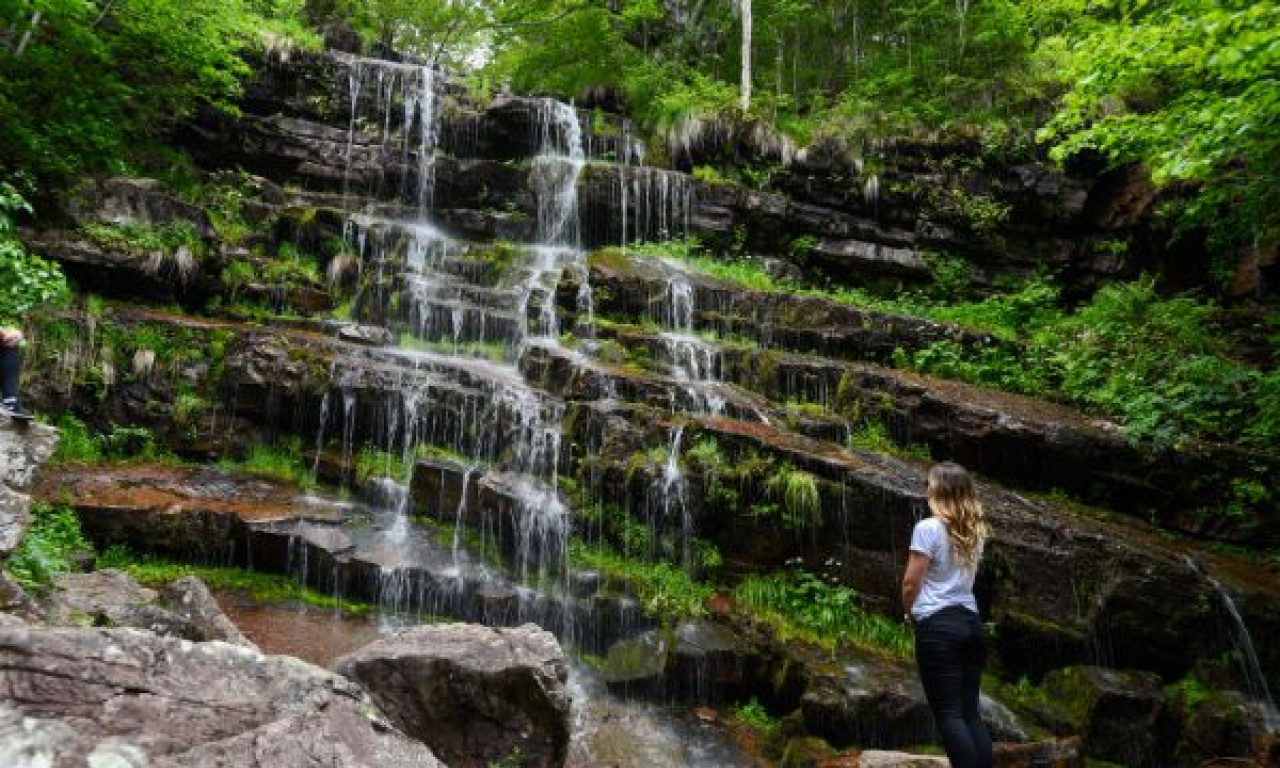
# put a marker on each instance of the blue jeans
(950, 651)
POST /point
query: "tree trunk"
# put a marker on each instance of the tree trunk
(746, 54)
(26, 36)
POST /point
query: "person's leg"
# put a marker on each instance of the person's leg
(975, 655)
(939, 655)
(10, 370)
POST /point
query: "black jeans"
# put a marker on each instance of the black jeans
(10, 368)
(950, 651)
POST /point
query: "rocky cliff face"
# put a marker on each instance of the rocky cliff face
(535, 391)
(874, 216)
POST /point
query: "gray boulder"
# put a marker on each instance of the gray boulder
(184, 609)
(23, 448)
(476, 695)
(125, 697)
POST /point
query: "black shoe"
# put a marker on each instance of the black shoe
(13, 409)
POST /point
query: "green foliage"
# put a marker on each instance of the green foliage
(753, 713)
(133, 443)
(96, 81)
(27, 282)
(188, 408)
(797, 491)
(1156, 364)
(176, 234)
(371, 462)
(705, 453)
(75, 442)
(282, 460)
(1159, 363)
(1186, 87)
(665, 590)
(49, 548)
(874, 436)
(804, 606)
(261, 587)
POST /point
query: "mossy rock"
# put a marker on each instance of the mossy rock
(806, 752)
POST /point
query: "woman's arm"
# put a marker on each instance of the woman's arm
(913, 580)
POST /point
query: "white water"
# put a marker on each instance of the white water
(1250, 666)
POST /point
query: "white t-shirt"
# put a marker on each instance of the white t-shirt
(947, 582)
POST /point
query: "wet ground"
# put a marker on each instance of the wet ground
(607, 730)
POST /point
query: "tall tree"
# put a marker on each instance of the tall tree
(745, 10)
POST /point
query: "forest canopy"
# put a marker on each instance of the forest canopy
(1189, 88)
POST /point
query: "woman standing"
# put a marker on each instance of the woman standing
(937, 596)
(10, 370)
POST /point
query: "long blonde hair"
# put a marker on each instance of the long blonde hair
(952, 497)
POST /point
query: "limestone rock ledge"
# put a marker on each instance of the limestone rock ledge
(75, 697)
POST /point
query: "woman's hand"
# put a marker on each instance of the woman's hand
(10, 337)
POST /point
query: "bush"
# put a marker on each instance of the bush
(805, 606)
(52, 543)
(27, 281)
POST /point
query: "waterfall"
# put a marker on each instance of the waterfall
(675, 497)
(555, 173)
(694, 362)
(416, 88)
(1250, 666)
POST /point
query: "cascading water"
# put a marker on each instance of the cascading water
(451, 302)
(694, 361)
(416, 89)
(1251, 668)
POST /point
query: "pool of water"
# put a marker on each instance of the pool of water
(608, 730)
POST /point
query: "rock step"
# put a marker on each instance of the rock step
(128, 697)
(1112, 583)
(1023, 442)
(1106, 574)
(629, 287)
(212, 517)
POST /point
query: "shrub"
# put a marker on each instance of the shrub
(52, 543)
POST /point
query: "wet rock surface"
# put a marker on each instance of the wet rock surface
(1121, 715)
(699, 661)
(183, 608)
(23, 448)
(86, 695)
(500, 362)
(476, 695)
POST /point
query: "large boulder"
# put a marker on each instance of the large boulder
(110, 598)
(23, 448)
(1122, 714)
(885, 708)
(699, 660)
(477, 695)
(129, 697)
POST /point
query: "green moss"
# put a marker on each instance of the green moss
(796, 491)
(282, 460)
(665, 591)
(874, 436)
(262, 587)
(166, 238)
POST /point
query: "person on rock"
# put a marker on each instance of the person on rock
(10, 373)
(937, 598)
